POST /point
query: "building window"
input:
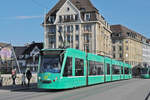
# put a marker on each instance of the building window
(86, 38)
(76, 17)
(60, 19)
(126, 41)
(68, 38)
(71, 28)
(60, 29)
(68, 9)
(120, 55)
(52, 30)
(114, 48)
(68, 17)
(65, 17)
(71, 17)
(77, 27)
(87, 28)
(51, 19)
(114, 56)
(120, 41)
(77, 37)
(87, 17)
(113, 41)
(68, 29)
(120, 48)
(127, 48)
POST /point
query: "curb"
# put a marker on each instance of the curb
(25, 88)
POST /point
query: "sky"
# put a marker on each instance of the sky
(20, 20)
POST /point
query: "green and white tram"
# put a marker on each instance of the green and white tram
(145, 72)
(71, 68)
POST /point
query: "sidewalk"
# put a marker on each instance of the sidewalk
(18, 87)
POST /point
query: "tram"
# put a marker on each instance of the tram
(71, 68)
(145, 72)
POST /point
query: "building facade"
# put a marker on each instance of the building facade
(146, 52)
(31, 57)
(77, 24)
(6, 51)
(127, 45)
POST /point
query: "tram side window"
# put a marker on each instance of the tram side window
(121, 69)
(108, 69)
(100, 67)
(68, 67)
(79, 67)
(96, 68)
(130, 71)
(126, 70)
(115, 69)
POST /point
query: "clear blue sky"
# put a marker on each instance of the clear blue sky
(20, 19)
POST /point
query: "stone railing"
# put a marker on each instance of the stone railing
(7, 79)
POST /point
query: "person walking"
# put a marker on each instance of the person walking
(1, 80)
(13, 75)
(28, 75)
(23, 79)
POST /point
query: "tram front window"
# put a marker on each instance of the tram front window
(51, 63)
(144, 71)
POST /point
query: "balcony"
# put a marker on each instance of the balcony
(87, 31)
(51, 33)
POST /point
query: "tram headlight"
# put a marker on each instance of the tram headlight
(39, 78)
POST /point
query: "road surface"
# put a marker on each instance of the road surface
(134, 89)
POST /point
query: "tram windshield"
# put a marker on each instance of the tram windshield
(144, 70)
(51, 61)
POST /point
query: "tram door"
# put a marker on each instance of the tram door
(107, 70)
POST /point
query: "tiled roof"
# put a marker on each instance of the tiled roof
(31, 46)
(82, 5)
(126, 32)
(123, 30)
(19, 50)
(4, 44)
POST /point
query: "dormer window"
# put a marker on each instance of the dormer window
(51, 19)
(68, 9)
(60, 19)
(76, 17)
(87, 17)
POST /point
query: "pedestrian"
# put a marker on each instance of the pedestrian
(23, 79)
(1, 80)
(13, 75)
(28, 75)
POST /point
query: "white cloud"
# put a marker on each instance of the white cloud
(20, 17)
(27, 17)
